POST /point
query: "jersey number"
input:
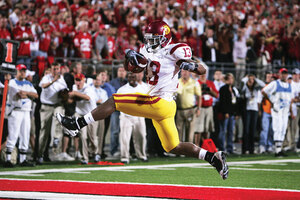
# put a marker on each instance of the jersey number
(155, 72)
(9, 52)
(187, 52)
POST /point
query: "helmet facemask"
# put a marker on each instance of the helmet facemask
(154, 42)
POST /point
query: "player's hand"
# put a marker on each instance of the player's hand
(198, 112)
(132, 56)
(188, 66)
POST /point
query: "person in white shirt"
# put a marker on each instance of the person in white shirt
(252, 94)
(85, 98)
(51, 85)
(101, 97)
(132, 125)
(279, 93)
(293, 127)
(19, 102)
(239, 53)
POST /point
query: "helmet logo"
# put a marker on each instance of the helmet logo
(166, 30)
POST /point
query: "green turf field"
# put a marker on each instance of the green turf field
(248, 171)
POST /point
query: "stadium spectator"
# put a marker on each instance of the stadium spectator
(51, 84)
(293, 125)
(101, 44)
(132, 125)
(188, 101)
(205, 124)
(4, 33)
(23, 34)
(228, 110)
(101, 97)
(85, 98)
(114, 120)
(122, 43)
(266, 134)
(279, 93)
(19, 105)
(83, 41)
(252, 95)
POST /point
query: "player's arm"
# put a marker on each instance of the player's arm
(183, 54)
(194, 66)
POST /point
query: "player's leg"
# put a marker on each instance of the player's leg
(168, 135)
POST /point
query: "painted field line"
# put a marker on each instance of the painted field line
(145, 190)
(155, 167)
(62, 196)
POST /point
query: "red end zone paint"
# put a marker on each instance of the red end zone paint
(139, 190)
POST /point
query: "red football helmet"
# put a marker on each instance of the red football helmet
(157, 35)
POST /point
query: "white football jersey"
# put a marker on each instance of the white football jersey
(165, 71)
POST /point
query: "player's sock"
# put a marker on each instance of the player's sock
(206, 155)
(85, 120)
(278, 147)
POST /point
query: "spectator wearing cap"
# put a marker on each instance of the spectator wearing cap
(85, 98)
(266, 134)
(51, 85)
(23, 34)
(19, 103)
(293, 127)
(83, 41)
(279, 93)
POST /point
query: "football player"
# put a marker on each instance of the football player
(163, 61)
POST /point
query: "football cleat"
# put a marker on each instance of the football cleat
(70, 123)
(219, 162)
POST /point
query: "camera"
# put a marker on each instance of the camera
(205, 89)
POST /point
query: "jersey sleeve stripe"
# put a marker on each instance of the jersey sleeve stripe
(177, 46)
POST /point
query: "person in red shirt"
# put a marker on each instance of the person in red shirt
(4, 33)
(122, 43)
(111, 41)
(23, 34)
(205, 123)
(83, 41)
(44, 38)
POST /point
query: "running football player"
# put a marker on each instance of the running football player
(164, 62)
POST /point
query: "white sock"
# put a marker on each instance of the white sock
(22, 157)
(202, 154)
(8, 157)
(278, 147)
(89, 118)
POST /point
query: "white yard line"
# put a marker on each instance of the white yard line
(130, 168)
(62, 196)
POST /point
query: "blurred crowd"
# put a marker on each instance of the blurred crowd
(259, 33)
(250, 36)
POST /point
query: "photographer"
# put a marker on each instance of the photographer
(205, 124)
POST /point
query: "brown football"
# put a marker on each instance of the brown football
(135, 69)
